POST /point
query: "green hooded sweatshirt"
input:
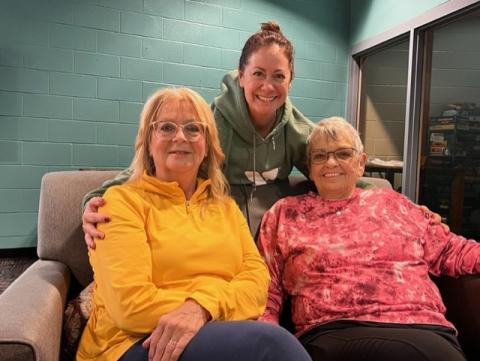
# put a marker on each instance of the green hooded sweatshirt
(272, 157)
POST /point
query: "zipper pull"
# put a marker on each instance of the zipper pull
(187, 206)
(273, 142)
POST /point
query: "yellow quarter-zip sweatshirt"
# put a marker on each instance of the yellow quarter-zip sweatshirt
(159, 250)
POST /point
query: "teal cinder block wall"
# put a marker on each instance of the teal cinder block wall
(373, 17)
(74, 75)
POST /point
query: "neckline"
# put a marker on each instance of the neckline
(337, 202)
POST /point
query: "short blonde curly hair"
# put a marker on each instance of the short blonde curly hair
(334, 128)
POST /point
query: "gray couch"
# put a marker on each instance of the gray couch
(31, 309)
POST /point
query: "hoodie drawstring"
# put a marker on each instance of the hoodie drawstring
(254, 187)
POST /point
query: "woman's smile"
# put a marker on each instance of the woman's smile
(179, 152)
(266, 99)
(332, 174)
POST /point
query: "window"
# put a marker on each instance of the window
(382, 110)
(450, 152)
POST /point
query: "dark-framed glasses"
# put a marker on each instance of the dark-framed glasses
(341, 155)
(192, 130)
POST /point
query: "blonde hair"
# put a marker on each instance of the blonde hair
(210, 167)
(333, 128)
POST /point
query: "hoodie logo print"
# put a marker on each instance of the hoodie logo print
(261, 178)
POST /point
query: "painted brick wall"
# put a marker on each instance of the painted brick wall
(74, 75)
(369, 18)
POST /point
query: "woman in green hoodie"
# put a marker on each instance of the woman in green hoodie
(263, 135)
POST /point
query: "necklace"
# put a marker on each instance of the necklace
(336, 206)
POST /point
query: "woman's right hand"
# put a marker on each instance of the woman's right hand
(90, 218)
(174, 331)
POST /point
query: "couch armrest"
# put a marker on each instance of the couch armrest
(462, 299)
(31, 309)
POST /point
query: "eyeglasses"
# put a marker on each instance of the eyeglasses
(341, 155)
(193, 131)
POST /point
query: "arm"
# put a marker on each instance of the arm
(120, 178)
(92, 202)
(245, 295)
(449, 254)
(300, 152)
(268, 245)
(123, 267)
(298, 129)
(445, 252)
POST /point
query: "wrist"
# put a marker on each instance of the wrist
(204, 312)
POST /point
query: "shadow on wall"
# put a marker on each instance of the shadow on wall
(321, 15)
(383, 107)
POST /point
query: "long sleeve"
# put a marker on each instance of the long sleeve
(269, 248)
(450, 254)
(245, 295)
(120, 178)
(122, 264)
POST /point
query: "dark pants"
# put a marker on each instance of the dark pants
(374, 342)
(235, 341)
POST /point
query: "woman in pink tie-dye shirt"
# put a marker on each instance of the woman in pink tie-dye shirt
(356, 263)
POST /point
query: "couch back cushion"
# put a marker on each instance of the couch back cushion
(60, 235)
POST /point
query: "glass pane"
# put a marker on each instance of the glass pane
(450, 166)
(382, 111)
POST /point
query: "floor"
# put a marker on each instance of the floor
(12, 266)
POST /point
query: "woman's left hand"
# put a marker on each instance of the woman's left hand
(174, 331)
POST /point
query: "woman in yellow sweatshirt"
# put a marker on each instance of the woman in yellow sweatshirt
(178, 259)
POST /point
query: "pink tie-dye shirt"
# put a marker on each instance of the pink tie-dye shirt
(365, 258)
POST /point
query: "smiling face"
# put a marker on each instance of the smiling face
(265, 80)
(177, 157)
(336, 178)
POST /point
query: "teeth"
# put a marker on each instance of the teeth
(265, 99)
(331, 174)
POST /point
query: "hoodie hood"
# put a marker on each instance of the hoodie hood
(232, 104)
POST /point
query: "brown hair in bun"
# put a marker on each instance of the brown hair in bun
(268, 34)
